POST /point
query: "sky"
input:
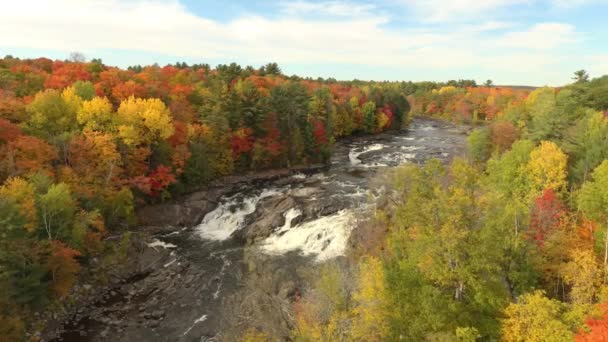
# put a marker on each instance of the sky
(512, 42)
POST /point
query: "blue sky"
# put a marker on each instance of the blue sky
(531, 42)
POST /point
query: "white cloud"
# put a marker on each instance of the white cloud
(330, 8)
(541, 36)
(359, 38)
(567, 4)
(437, 11)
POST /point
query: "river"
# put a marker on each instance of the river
(244, 264)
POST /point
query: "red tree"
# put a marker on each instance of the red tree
(546, 216)
(598, 328)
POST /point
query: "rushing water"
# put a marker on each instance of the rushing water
(227, 285)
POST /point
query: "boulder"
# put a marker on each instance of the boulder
(268, 216)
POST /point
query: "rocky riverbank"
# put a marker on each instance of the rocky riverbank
(233, 257)
(189, 210)
(150, 265)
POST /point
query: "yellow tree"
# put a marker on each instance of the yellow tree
(96, 114)
(583, 275)
(143, 121)
(370, 322)
(547, 168)
(23, 194)
(535, 318)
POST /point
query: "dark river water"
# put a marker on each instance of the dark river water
(212, 287)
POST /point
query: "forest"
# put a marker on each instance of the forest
(509, 243)
(82, 145)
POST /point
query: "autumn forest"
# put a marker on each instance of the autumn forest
(508, 242)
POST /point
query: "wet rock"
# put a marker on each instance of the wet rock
(304, 192)
(327, 206)
(165, 217)
(265, 219)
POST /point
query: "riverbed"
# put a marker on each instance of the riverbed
(248, 259)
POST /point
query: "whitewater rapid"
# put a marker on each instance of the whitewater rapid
(324, 236)
(246, 261)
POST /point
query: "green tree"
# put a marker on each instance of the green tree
(592, 200)
(551, 113)
(84, 89)
(271, 69)
(369, 116)
(587, 145)
(479, 144)
(581, 76)
(53, 115)
(291, 102)
(56, 210)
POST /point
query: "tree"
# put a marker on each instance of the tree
(53, 115)
(503, 135)
(592, 200)
(581, 76)
(26, 155)
(596, 327)
(369, 116)
(548, 168)
(22, 194)
(130, 88)
(84, 89)
(271, 69)
(508, 172)
(77, 57)
(62, 267)
(587, 145)
(96, 114)
(479, 144)
(370, 311)
(322, 314)
(66, 73)
(57, 208)
(434, 261)
(143, 121)
(291, 103)
(583, 275)
(8, 131)
(552, 113)
(488, 83)
(95, 166)
(536, 318)
(546, 217)
(597, 96)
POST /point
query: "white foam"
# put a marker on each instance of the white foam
(324, 237)
(299, 176)
(353, 155)
(169, 263)
(201, 319)
(158, 243)
(410, 148)
(220, 223)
